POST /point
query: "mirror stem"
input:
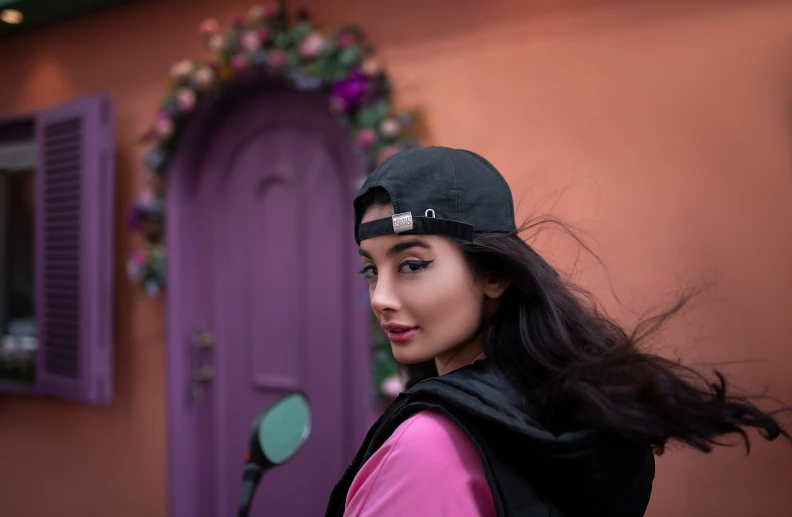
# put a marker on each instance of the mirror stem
(250, 480)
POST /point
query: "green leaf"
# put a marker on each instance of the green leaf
(282, 40)
(383, 110)
(330, 49)
(349, 56)
(301, 30)
(292, 60)
(367, 118)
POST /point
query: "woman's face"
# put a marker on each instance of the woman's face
(424, 295)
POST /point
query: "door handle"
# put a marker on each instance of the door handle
(204, 373)
(202, 340)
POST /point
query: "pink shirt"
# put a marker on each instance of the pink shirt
(427, 467)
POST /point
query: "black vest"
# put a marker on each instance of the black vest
(531, 472)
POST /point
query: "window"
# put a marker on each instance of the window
(18, 341)
(56, 242)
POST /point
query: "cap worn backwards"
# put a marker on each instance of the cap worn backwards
(438, 190)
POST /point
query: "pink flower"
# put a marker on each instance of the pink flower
(346, 39)
(392, 386)
(256, 13)
(145, 198)
(164, 125)
(137, 260)
(209, 28)
(239, 63)
(337, 104)
(181, 69)
(204, 77)
(264, 34)
(389, 128)
(277, 59)
(312, 45)
(271, 10)
(148, 135)
(367, 137)
(251, 41)
(133, 270)
(216, 42)
(138, 257)
(370, 67)
(185, 99)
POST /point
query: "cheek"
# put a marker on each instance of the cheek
(448, 309)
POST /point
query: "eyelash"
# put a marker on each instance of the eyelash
(419, 265)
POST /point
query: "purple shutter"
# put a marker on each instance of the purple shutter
(74, 243)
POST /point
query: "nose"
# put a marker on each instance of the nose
(383, 296)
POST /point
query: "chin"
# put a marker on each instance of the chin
(405, 356)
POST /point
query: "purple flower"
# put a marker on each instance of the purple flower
(259, 59)
(135, 219)
(152, 288)
(352, 89)
(239, 63)
(154, 159)
(303, 81)
(405, 119)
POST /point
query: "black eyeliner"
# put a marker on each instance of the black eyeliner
(422, 264)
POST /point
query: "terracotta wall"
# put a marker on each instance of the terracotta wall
(666, 124)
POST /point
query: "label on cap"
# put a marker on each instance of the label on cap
(402, 222)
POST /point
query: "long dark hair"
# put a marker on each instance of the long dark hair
(579, 369)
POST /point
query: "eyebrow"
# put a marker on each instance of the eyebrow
(398, 248)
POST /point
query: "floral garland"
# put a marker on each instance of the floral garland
(338, 62)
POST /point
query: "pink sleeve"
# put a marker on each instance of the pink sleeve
(427, 467)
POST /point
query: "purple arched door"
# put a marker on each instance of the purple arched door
(262, 255)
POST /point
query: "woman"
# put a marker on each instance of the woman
(532, 403)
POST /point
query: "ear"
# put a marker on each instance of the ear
(493, 288)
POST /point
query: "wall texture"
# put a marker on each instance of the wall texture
(660, 128)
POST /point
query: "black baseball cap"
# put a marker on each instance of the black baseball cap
(440, 191)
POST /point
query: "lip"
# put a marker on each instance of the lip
(395, 326)
(398, 333)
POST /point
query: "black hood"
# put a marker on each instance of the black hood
(531, 471)
(585, 473)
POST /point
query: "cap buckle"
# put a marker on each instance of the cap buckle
(402, 222)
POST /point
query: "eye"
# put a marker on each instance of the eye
(413, 266)
(368, 271)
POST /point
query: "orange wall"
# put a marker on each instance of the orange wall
(668, 123)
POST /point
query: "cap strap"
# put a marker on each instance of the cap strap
(408, 224)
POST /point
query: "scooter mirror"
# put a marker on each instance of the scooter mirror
(284, 427)
(277, 434)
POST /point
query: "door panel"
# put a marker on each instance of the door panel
(261, 248)
(280, 248)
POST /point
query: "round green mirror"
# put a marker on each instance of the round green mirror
(284, 428)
